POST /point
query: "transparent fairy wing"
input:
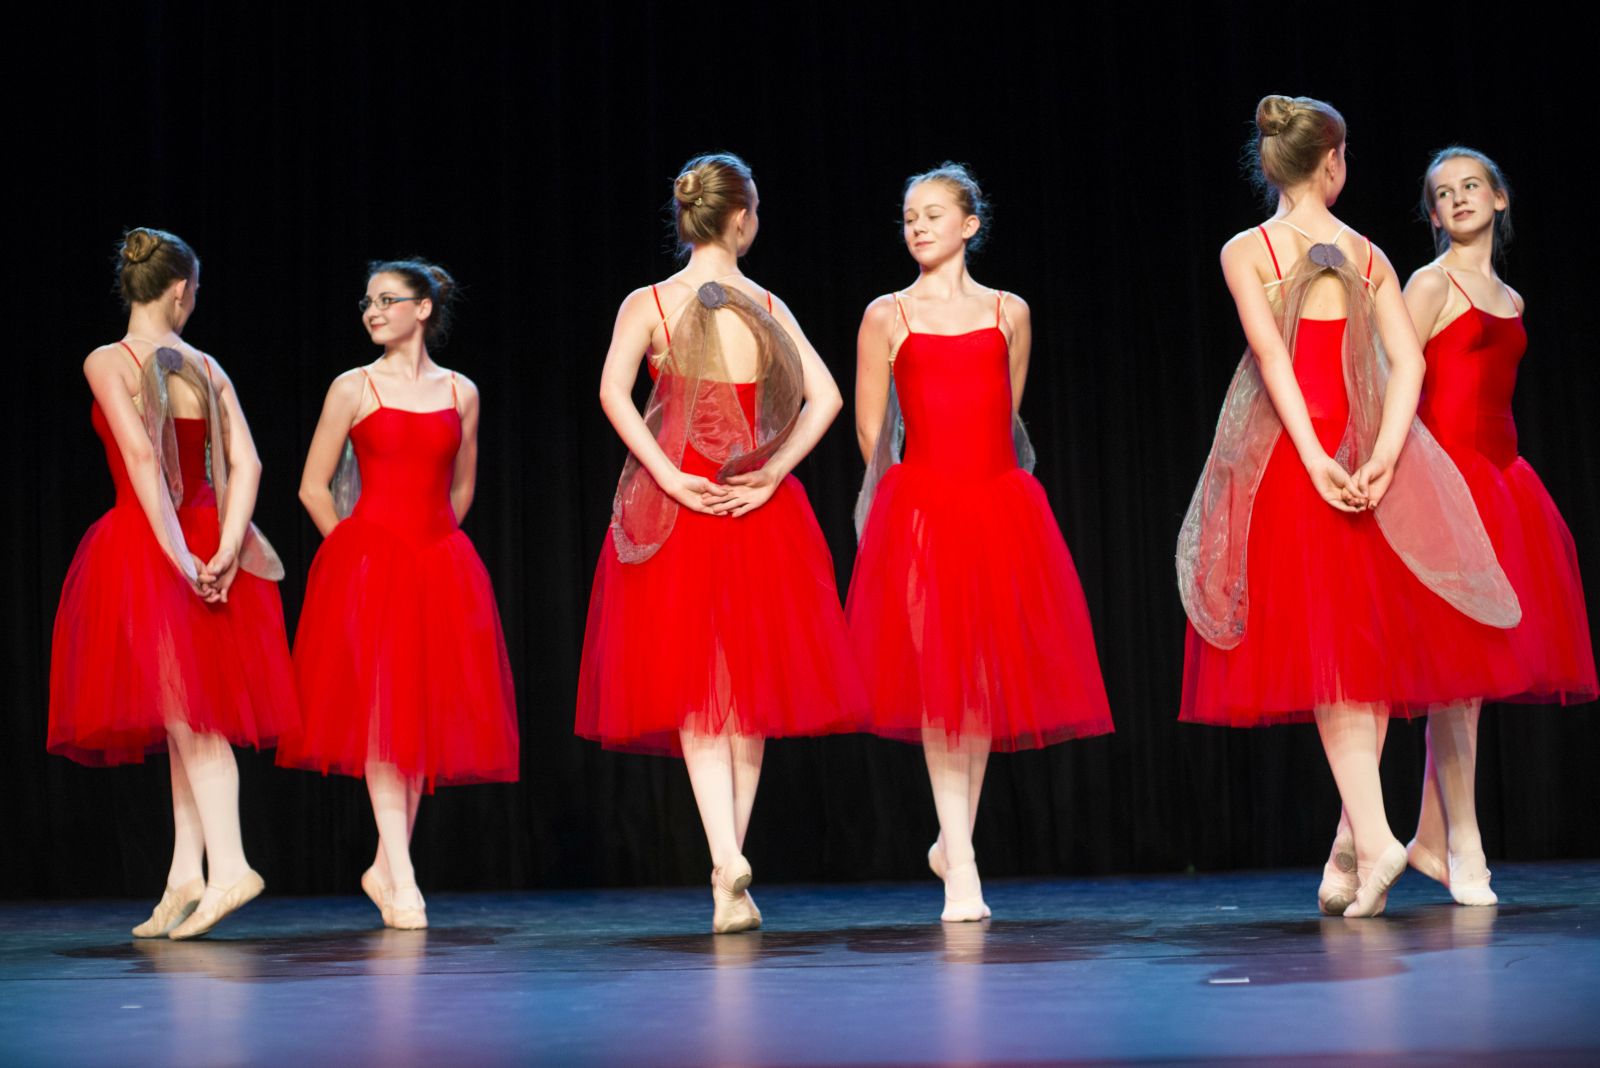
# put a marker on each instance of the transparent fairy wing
(346, 484)
(1427, 515)
(885, 454)
(156, 410)
(692, 403)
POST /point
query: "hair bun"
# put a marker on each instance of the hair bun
(139, 245)
(442, 279)
(688, 188)
(1274, 114)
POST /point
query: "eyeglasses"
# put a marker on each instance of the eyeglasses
(383, 303)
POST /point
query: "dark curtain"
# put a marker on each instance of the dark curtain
(530, 149)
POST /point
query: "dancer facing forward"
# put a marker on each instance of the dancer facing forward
(401, 663)
(170, 634)
(965, 608)
(1303, 558)
(1472, 323)
(714, 622)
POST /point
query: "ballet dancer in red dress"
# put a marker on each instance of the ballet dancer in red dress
(169, 635)
(968, 618)
(1323, 579)
(401, 661)
(714, 621)
(1472, 327)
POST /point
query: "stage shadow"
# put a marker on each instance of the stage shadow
(989, 942)
(382, 951)
(1333, 949)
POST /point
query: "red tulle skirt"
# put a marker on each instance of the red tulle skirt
(135, 648)
(401, 659)
(1335, 615)
(1535, 548)
(967, 614)
(733, 624)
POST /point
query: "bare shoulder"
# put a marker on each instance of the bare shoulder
(348, 385)
(466, 388)
(1382, 270)
(880, 313)
(105, 358)
(213, 368)
(1244, 243)
(1516, 298)
(1016, 309)
(763, 295)
(1428, 283)
(638, 302)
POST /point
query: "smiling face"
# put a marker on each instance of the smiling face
(936, 228)
(405, 314)
(1464, 200)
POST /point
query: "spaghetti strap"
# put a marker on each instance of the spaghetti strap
(769, 302)
(1459, 288)
(134, 356)
(665, 329)
(375, 394)
(901, 308)
(1368, 275)
(1276, 270)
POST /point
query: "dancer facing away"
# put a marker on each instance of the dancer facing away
(1472, 323)
(714, 622)
(170, 633)
(401, 662)
(1303, 558)
(965, 608)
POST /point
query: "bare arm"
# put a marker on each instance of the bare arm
(1426, 295)
(464, 483)
(1020, 319)
(822, 405)
(874, 344)
(630, 340)
(339, 411)
(1277, 370)
(823, 402)
(1406, 368)
(113, 382)
(244, 482)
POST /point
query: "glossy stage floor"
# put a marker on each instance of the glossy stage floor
(1187, 970)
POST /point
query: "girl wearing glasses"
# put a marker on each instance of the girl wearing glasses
(169, 635)
(714, 622)
(401, 662)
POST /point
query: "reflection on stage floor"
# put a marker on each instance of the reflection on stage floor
(1161, 969)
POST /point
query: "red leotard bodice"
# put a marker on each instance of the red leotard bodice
(955, 394)
(1472, 373)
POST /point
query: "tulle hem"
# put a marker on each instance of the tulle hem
(734, 625)
(134, 649)
(401, 659)
(968, 615)
(1335, 616)
(1537, 551)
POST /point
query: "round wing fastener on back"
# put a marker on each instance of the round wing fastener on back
(1330, 256)
(712, 295)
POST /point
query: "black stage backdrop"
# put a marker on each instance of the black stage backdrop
(531, 150)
